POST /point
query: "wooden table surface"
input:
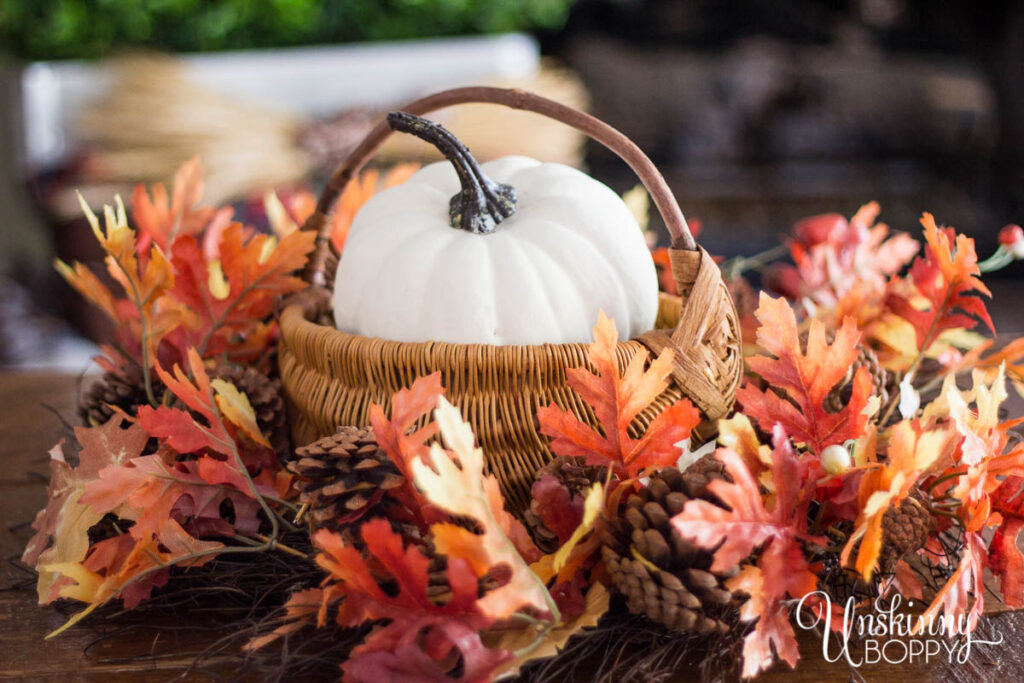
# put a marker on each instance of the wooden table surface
(102, 650)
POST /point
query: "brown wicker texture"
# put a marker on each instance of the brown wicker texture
(330, 377)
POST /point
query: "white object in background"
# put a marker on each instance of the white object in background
(311, 81)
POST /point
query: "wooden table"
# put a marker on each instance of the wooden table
(98, 651)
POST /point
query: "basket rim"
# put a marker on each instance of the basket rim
(294, 318)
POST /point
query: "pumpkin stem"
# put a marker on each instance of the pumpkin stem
(481, 203)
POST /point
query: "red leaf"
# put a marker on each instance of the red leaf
(736, 532)
(408, 407)
(806, 378)
(558, 508)
(1005, 558)
(421, 635)
(944, 275)
(616, 402)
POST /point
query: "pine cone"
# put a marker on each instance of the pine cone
(264, 395)
(841, 393)
(673, 584)
(125, 390)
(342, 475)
(577, 477)
(905, 528)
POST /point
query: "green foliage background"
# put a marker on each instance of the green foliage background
(58, 29)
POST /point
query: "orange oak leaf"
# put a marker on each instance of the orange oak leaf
(805, 378)
(161, 219)
(456, 483)
(423, 639)
(177, 427)
(399, 436)
(944, 277)
(911, 452)
(616, 402)
(62, 526)
(231, 295)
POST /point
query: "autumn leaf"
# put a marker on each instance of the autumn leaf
(422, 640)
(458, 486)
(241, 288)
(520, 639)
(152, 488)
(170, 545)
(1005, 557)
(177, 427)
(733, 534)
(832, 256)
(160, 219)
(942, 278)
(616, 402)
(806, 378)
(592, 508)
(235, 406)
(62, 526)
(911, 452)
(409, 407)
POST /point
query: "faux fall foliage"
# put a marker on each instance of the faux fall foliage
(452, 583)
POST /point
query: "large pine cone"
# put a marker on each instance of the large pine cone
(576, 477)
(125, 390)
(905, 528)
(680, 591)
(342, 475)
(264, 395)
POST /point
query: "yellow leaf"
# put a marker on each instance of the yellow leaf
(235, 406)
(462, 489)
(591, 511)
(280, 222)
(737, 433)
(218, 285)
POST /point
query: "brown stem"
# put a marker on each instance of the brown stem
(481, 203)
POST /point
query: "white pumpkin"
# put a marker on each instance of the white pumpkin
(570, 249)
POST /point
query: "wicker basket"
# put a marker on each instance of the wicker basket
(330, 377)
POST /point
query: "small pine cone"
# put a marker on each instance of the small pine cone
(905, 528)
(125, 390)
(342, 475)
(840, 395)
(673, 583)
(264, 395)
(577, 477)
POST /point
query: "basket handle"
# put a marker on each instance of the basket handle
(646, 171)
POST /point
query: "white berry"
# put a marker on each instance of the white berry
(836, 459)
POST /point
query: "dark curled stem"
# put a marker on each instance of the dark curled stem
(481, 203)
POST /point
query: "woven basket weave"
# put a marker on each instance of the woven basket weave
(331, 378)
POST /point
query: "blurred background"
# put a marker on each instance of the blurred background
(759, 113)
